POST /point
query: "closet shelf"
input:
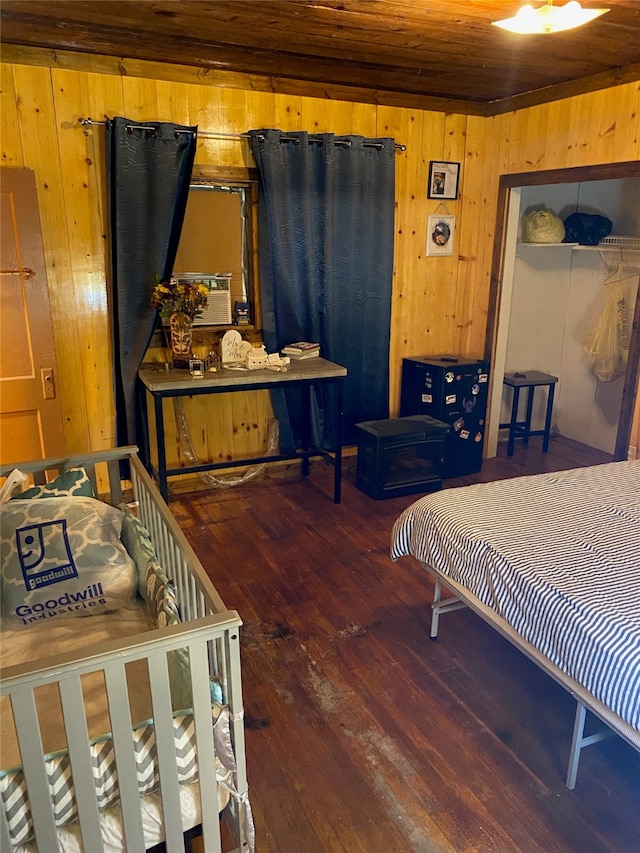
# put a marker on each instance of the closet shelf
(548, 245)
(603, 248)
(608, 244)
(615, 242)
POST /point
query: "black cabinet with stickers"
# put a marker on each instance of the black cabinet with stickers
(452, 389)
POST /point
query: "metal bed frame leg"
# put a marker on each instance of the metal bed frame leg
(438, 607)
(579, 741)
(576, 741)
(435, 609)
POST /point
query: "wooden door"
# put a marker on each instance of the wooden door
(30, 411)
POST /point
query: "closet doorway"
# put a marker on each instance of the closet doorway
(545, 298)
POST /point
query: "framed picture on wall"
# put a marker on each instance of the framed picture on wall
(443, 180)
(440, 233)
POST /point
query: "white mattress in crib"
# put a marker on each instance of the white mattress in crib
(25, 645)
(111, 822)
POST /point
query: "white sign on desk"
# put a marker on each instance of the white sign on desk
(233, 348)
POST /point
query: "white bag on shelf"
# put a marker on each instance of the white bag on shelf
(542, 226)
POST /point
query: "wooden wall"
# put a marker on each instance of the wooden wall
(439, 303)
(601, 127)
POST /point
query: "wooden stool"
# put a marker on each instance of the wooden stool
(522, 429)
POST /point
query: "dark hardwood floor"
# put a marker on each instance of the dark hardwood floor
(362, 735)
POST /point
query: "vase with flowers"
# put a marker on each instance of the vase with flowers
(180, 301)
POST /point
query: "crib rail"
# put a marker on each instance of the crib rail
(102, 467)
(66, 671)
(198, 596)
(209, 633)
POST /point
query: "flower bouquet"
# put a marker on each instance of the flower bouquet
(180, 301)
(179, 297)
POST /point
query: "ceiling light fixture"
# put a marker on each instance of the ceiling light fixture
(549, 18)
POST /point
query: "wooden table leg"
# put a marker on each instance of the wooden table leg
(547, 422)
(514, 419)
(337, 464)
(527, 421)
(163, 482)
(306, 427)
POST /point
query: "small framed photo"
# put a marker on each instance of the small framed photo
(443, 180)
(440, 233)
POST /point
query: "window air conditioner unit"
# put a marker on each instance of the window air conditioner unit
(218, 310)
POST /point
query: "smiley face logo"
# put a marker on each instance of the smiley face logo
(31, 546)
(44, 553)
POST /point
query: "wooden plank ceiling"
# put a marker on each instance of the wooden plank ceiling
(432, 54)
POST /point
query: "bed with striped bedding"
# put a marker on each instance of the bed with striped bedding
(552, 561)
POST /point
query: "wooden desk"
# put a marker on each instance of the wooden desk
(160, 382)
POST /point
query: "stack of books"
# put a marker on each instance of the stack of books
(301, 349)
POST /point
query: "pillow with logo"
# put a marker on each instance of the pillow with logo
(62, 557)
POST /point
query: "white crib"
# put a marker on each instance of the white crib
(210, 635)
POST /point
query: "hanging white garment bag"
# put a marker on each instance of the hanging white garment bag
(608, 344)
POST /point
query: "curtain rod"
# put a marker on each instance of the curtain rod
(212, 134)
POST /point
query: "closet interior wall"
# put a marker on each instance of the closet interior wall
(557, 296)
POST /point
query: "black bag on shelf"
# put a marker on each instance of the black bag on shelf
(587, 229)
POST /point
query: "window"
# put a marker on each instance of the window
(219, 235)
